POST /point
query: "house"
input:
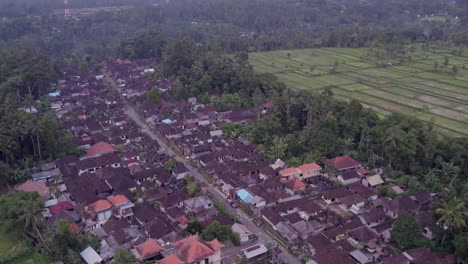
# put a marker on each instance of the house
(197, 204)
(179, 171)
(309, 170)
(100, 211)
(362, 190)
(255, 254)
(306, 229)
(34, 186)
(90, 256)
(285, 230)
(332, 255)
(250, 199)
(373, 217)
(245, 234)
(100, 148)
(417, 255)
(122, 207)
(147, 250)
(422, 198)
(426, 222)
(349, 201)
(348, 177)
(359, 256)
(394, 208)
(171, 259)
(294, 185)
(92, 164)
(331, 196)
(279, 164)
(272, 217)
(361, 236)
(335, 233)
(343, 163)
(192, 249)
(289, 173)
(373, 181)
(318, 242)
(302, 172)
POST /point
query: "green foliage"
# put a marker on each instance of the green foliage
(221, 207)
(228, 102)
(194, 227)
(405, 231)
(63, 243)
(235, 239)
(154, 95)
(230, 130)
(218, 231)
(191, 186)
(122, 256)
(21, 210)
(452, 214)
(461, 246)
(169, 165)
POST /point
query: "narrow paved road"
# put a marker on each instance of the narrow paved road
(263, 237)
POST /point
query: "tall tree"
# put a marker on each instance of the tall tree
(452, 215)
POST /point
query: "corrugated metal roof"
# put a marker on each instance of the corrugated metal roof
(245, 195)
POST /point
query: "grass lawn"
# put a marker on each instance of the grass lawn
(410, 85)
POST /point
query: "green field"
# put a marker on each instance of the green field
(409, 85)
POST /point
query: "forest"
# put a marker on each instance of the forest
(243, 25)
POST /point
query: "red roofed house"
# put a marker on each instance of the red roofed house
(289, 173)
(172, 259)
(309, 170)
(122, 207)
(61, 206)
(294, 185)
(100, 148)
(302, 172)
(34, 186)
(343, 163)
(147, 250)
(100, 211)
(193, 250)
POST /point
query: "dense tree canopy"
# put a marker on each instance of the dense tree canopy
(405, 231)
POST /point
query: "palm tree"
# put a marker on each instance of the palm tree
(452, 215)
(392, 139)
(449, 171)
(32, 219)
(347, 143)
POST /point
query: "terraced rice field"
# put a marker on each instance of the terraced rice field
(411, 87)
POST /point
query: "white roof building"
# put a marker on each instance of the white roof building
(90, 256)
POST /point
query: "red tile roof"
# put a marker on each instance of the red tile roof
(183, 220)
(310, 166)
(215, 244)
(100, 148)
(100, 205)
(295, 184)
(342, 162)
(192, 249)
(62, 206)
(117, 200)
(172, 259)
(148, 248)
(33, 186)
